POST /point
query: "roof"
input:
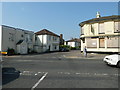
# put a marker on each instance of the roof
(101, 19)
(16, 28)
(46, 32)
(19, 42)
(74, 40)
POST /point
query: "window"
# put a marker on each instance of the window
(101, 28)
(117, 27)
(55, 47)
(101, 43)
(92, 29)
(54, 38)
(21, 35)
(113, 42)
(91, 42)
(49, 37)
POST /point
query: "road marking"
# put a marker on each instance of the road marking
(39, 72)
(77, 73)
(36, 84)
(35, 74)
(26, 73)
(64, 55)
(66, 73)
(89, 74)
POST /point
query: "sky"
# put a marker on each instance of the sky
(58, 17)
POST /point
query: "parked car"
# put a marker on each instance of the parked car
(64, 49)
(112, 60)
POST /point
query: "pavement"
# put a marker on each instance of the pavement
(80, 55)
(76, 54)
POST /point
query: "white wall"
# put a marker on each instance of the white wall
(109, 28)
(18, 35)
(8, 38)
(47, 40)
(22, 48)
(72, 44)
(29, 38)
(42, 39)
(11, 36)
(53, 42)
(42, 42)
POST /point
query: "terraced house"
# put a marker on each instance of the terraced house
(101, 34)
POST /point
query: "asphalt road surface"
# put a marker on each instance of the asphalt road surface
(58, 70)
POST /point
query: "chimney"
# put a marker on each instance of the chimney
(98, 15)
(61, 36)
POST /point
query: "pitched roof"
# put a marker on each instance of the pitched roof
(74, 40)
(101, 19)
(46, 32)
(19, 42)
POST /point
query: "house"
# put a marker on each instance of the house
(46, 41)
(74, 42)
(14, 38)
(101, 34)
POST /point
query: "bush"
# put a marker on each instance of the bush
(10, 51)
(64, 46)
(73, 48)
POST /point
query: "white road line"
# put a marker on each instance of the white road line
(36, 74)
(36, 84)
(89, 74)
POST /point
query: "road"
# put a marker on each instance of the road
(59, 70)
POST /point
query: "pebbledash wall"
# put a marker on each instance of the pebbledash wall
(11, 37)
(101, 34)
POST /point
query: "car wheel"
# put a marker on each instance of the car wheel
(118, 64)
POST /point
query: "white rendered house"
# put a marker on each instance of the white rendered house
(10, 37)
(46, 41)
(73, 42)
(101, 34)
